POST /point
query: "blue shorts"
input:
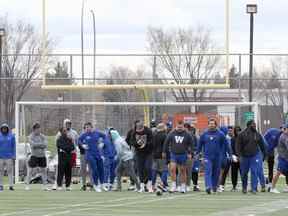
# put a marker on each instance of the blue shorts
(282, 166)
(179, 159)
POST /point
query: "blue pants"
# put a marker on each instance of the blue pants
(212, 169)
(109, 170)
(97, 169)
(252, 164)
(163, 176)
(260, 172)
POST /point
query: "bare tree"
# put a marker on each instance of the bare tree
(19, 70)
(190, 67)
(122, 117)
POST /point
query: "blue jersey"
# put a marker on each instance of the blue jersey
(271, 137)
(92, 140)
(109, 150)
(213, 143)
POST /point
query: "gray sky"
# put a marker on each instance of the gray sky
(121, 24)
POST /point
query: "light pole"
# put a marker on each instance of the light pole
(82, 40)
(2, 35)
(251, 9)
(94, 47)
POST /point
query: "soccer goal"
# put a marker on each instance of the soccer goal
(121, 116)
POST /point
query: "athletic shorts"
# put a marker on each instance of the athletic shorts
(37, 162)
(159, 165)
(179, 159)
(282, 166)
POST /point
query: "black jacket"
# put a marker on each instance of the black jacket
(249, 142)
(142, 142)
(65, 144)
(158, 142)
(179, 142)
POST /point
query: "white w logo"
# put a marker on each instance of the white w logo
(179, 139)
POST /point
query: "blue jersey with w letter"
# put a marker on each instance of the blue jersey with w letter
(179, 142)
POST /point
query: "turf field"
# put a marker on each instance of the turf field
(77, 203)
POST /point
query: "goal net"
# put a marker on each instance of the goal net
(119, 115)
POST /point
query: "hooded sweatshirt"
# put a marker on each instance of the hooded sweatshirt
(272, 136)
(282, 147)
(213, 143)
(7, 144)
(179, 142)
(122, 148)
(249, 142)
(158, 142)
(38, 145)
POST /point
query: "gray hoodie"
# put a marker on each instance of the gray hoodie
(122, 148)
(38, 145)
(282, 147)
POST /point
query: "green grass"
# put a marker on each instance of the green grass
(77, 203)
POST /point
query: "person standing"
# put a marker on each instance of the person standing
(65, 148)
(141, 140)
(90, 141)
(213, 143)
(180, 145)
(38, 144)
(159, 165)
(272, 136)
(7, 155)
(282, 150)
(226, 161)
(248, 144)
(235, 164)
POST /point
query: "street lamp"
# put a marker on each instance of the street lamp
(251, 9)
(2, 35)
(94, 47)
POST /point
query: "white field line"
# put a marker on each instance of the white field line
(121, 204)
(259, 209)
(69, 206)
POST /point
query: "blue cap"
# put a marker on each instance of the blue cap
(285, 125)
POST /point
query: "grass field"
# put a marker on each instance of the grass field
(77, 203)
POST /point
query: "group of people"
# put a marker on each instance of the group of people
(145, 153)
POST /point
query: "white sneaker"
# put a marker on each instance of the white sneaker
(274, 190)
(221, 188)
(188, 189)
(27, 188)
(59, 188)
(97, 188)
(183, 188)
(44, 188)
(149, 186)
(104, 187)
(142, 188)
(68, 189)
(54, 187)
(173, 187)
(285, 190)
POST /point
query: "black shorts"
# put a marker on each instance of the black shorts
(37, 162)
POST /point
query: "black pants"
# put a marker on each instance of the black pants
(195, 178)
(144, 167)
(225, 173)
(64, 169)
(270, 161)
(235, 169)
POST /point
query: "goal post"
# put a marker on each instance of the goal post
(120, 115)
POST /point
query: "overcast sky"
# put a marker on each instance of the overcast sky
(121, 24)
